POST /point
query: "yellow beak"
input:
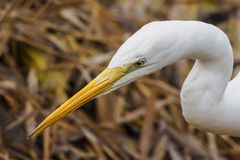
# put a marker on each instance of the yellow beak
(100, 84)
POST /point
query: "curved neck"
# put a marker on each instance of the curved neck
(205, 85)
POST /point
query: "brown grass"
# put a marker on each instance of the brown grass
(49, 49)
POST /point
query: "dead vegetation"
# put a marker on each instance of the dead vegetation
(49, 49)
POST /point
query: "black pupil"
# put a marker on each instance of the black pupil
(139, 63)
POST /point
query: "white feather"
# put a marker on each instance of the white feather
(209, 100)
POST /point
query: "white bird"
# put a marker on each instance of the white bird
(209, 100)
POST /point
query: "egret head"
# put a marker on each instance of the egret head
(148, 50)
(144, 52)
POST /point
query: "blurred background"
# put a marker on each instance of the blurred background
(49, 49)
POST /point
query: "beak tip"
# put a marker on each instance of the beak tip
(29, 137)
(33, 134)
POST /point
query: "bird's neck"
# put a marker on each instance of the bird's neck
(205, 85)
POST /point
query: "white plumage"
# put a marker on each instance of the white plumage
(210, 101)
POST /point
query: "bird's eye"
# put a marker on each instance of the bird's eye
(140, 62)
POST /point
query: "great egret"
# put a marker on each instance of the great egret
(209, 100)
